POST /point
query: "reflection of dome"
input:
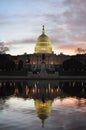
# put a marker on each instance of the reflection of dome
(43, 109)
(43, 44)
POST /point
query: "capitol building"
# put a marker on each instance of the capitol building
(43, 54)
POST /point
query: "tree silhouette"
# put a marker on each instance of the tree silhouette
(3, 49)
(10, 65)
(6, 63)
(81, 51)
(20, 65)
(72, 65)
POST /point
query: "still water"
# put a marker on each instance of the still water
(47, 105)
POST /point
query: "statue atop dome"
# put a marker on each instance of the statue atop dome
(43, 30)
(43, 44)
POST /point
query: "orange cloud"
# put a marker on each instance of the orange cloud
(69, 50)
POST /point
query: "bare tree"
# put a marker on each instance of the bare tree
(3, 48)
(81, 51)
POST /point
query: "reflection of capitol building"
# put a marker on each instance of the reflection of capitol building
(42, 92)
(43, 109)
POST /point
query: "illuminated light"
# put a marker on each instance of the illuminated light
(10, 84)
(43, 104)
(26, 61)
(33, 90)
(16, 61)
(35, 85)
(57, 90)
(14, 83)
(51, 62)
(4, 83)
(46, 90)
(83, 90)
(34, 62)
(52, 90)
(27, 90)
(82, 83)
(49, 88)
(16, 91)
(73, 84)
(38, 90)
(0, 83)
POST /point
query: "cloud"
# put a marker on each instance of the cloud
(75, 15)
(64, 20)
(13, 19)
(20, 46)
(18, 42)
(66, 49)
(75, 19)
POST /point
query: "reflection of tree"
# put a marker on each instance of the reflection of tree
(74, 88)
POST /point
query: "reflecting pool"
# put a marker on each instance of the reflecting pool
(48, 105)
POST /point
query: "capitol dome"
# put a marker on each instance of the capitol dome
(43, 44)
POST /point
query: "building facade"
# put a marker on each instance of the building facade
(43, 53)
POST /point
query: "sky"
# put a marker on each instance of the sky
(21, 23)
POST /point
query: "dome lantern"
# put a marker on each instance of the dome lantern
(43, 30)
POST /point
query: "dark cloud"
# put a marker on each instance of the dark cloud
(75, 15)
(75, 19)
(70, 25)
(22, 41)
